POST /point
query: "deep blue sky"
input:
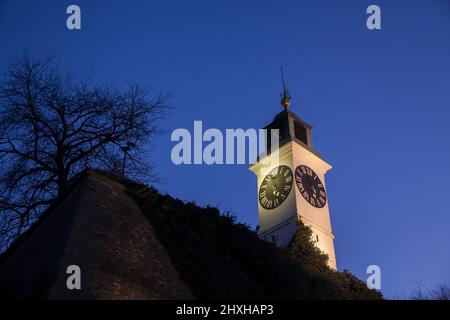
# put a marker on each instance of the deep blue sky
(379, 102)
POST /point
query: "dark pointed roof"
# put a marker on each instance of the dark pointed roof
(286, 113)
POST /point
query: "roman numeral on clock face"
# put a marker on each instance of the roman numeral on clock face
(274, 171)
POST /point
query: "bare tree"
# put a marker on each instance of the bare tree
(52, 127)
(422, 293)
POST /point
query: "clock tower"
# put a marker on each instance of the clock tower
(291, 184)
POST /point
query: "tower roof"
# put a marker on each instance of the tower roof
(292, 128)
(286, 113)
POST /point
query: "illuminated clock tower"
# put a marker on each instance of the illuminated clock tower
(291, 184)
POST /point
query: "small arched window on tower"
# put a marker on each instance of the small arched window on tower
(301, 132)
(317, 238)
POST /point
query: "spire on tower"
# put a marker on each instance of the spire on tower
(285, 96)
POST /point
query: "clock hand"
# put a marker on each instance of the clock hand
(275, 192)
(274, 185)
(314, 191)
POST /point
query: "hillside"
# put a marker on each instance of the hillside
(219, 258)
(131, 242)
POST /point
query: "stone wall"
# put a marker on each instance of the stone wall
(99, 228)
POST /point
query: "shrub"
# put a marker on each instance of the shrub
(219, 258)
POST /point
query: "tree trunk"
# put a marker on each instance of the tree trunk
(62, 185)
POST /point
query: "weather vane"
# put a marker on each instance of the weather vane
(285, 96)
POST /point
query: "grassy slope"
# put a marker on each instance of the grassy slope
(220, 259)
